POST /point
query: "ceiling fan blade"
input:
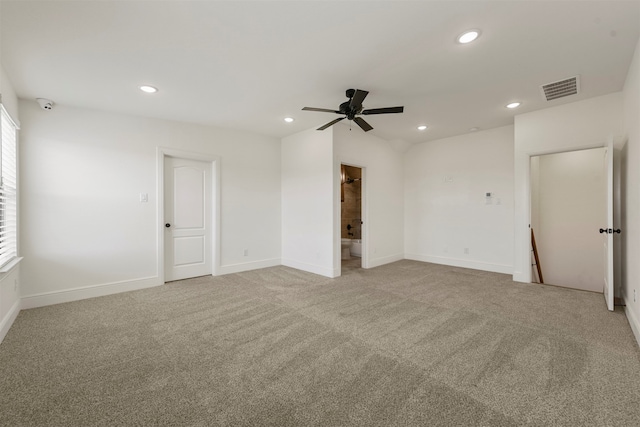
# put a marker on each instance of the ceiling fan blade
(324, 110)
(383, 110)
(331, 123)
(358, 97)
(364, 125)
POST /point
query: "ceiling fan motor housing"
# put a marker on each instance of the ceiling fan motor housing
(352, 108)
(350, 111)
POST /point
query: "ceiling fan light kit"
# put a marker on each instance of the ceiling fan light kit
(353, 109)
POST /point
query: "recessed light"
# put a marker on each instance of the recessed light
(513, 105)
(422, 127)
(468, 36)
(148, 89)
(288, 119)
(474, 129)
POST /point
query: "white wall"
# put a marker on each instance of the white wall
(569, 196)
(576, 126)
(445, 206)
(9, 98)
(83, 229)
(308, 219)
(630, 189)
(383, 198)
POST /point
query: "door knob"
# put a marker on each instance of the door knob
(610, 230)
(167, 225)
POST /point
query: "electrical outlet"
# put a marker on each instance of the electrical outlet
(144, 197)
(466, 251)
(246, 252)
(634, 295)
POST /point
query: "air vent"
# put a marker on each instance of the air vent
(561, 88)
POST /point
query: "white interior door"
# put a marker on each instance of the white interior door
(608, 232)
(188, 218)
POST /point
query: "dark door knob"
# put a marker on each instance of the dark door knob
(167, 225)
(609, 230)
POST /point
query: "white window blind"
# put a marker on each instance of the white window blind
(8, 189)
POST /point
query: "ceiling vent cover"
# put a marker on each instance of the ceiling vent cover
(561, 88)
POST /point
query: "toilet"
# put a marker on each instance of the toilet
(345, 245)
(355, 249)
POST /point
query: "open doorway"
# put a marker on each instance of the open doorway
(350, 217)
(568, 193)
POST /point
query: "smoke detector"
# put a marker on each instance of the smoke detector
(562, 88)
(45, 104)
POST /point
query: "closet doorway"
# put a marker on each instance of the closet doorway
(569, 207)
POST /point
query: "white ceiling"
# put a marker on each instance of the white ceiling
(247, 65)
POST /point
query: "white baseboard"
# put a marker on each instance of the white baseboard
(633, 321)
(456, 262)
(247, 266)
(68, 295)
(376, 262)
(5, 324)
(312, 268)
(519, 276)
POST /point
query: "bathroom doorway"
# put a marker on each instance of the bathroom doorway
(350, 217)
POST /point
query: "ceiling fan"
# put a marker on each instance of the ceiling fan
(353, 108)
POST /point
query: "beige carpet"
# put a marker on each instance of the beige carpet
(406, 344)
